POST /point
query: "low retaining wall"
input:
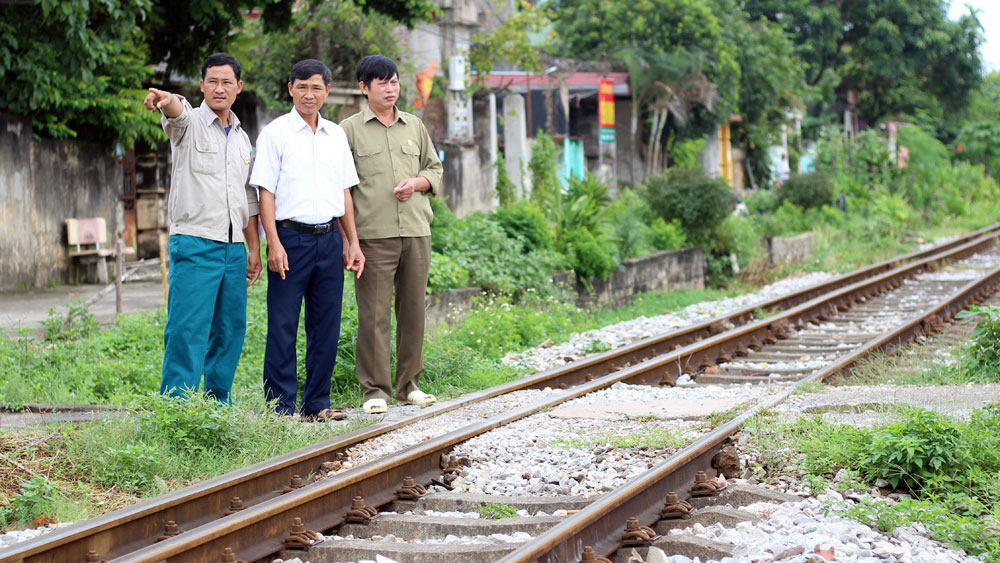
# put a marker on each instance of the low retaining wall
(787, 250)
(666, 270)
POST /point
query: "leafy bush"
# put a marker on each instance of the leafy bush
(588, 257)
(762, 201)
(132, 468)
(925, 447)
(445, 274)
(506, 190)
(526, 220)
(193, 423)
(700, 203)
(497, 326)
(75, 323)
(667, 236)
(479, 245)
(542, 165)
(36, 498)
(807, 190)
(981, 360)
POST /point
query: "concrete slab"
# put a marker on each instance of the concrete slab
(469, 502)
(24, 311)
(878, 404)
(725, 515)
(331, 551)
(415, 527)
(685, 409)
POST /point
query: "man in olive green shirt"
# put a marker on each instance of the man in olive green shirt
(398, 170)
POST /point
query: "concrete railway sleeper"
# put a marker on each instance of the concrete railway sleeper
(265, 520)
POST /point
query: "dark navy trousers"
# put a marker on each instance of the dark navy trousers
(316, 273)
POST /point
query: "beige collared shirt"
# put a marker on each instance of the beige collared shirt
(384, 156)
(208, 181)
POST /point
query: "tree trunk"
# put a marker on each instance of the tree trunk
(651, 148)
(660, 121)
(634, 126)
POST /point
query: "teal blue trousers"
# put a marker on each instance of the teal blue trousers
(206, 316)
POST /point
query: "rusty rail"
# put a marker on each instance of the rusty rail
(129, 530)
(602, 523)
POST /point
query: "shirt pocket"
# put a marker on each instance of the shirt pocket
(410, 161)
(368, 160)
(205, 157)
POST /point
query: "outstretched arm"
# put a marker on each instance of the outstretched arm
(166, 102)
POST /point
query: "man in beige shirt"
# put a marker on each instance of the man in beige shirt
(213, 211)
(398, 170)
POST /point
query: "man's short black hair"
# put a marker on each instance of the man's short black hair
(305, 68)
(222, 59)
(376, 66)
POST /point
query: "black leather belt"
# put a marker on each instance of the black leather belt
(320, 229)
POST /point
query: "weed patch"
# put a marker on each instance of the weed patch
(492, 511)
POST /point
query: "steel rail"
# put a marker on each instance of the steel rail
(602, 523)
(127, 530)
(258, 531)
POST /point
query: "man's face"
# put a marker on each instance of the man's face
(220, 87)
(383, 92)
(308, 94)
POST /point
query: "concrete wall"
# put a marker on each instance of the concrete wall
(42, 183)
(787, 250)
(666, 270)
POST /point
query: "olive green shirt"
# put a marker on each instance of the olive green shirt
(385, 156)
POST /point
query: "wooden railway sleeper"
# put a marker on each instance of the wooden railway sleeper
(590, 557)
(228, 556)
(360, 513)
(295, 483)
(702, 486)
(636, 535)
(235, 505)
(675, 508)
(301, 538)
(410, 490)
(170, 530)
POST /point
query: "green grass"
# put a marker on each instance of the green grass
(949, 467)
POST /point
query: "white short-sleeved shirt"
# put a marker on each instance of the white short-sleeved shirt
(307, 172)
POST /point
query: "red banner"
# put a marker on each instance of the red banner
(606, 103)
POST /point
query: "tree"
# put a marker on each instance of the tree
(510, 42)
(668, 84)
(588, 29)
(76, 68)
(771, 82)
(337, 32)
(895, 54)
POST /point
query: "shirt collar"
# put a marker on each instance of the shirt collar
(298, 123)
(368, 114)
(209, 116)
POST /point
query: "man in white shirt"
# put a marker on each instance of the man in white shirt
(305, 170)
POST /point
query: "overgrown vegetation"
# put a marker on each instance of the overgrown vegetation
(493, 511)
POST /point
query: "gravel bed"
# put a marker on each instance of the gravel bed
(796, 532)
(621, 334)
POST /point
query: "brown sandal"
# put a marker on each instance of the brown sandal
(325, 415)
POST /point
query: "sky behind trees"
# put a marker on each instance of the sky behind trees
(989, 17)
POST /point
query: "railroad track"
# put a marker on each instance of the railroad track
(257, 531)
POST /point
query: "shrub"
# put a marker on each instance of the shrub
(700, 203)
(981, 360)
(478, 244)
(628, 220)
(588, 257)
(445, 273)
(923, 448)
(506, 190)
(36, 498)
(542, 166)
(523, 219)
(133, 468)
(761, 201)
(807, 190)
(667, 236)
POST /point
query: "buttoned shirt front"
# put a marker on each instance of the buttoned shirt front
(384, 157)
(209, 192)
(307, 172)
